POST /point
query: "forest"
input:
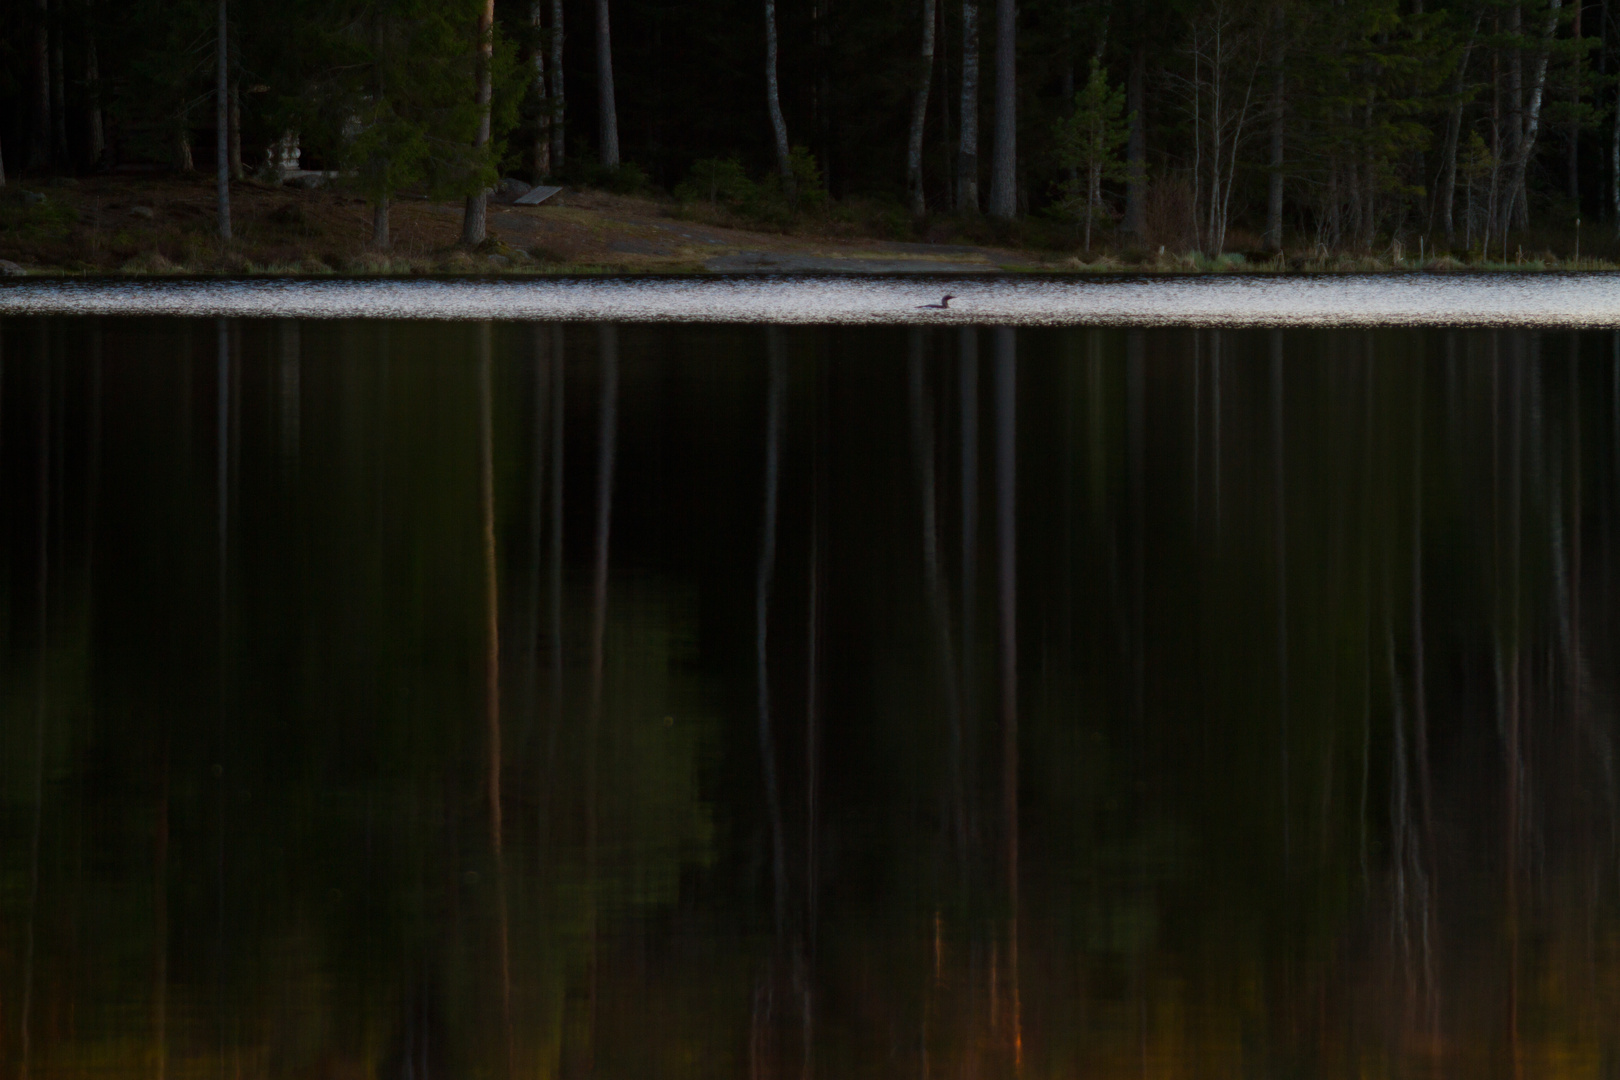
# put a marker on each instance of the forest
(1202, 125)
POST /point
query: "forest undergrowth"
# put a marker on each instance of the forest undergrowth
(159, 224)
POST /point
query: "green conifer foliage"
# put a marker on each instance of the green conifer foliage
(1088, 141)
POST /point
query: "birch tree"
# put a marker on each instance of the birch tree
(607, 110)
(1225, 47)
(1516, 205)
(558, 112)
(967, 152)
(540, 150)
(919, 113)
(773, 101)
(222, 117)
(1004, 160)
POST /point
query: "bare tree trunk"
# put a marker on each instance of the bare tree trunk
(773, 101)
(1004, 157)
(1532, 119)
(474, 219)
(95, 131)
(222, 111)
(541, 150)
(236, 130)
(182, 147)
(2, 169)
(1575, 118)
(39, 138)
(59, 139)
(919, 113)
(1614, 131)
(1136, 147)
(607, 109)
(967, 152)
(1279, 112)
(1448, 182)
(558, 116)
(379, 224)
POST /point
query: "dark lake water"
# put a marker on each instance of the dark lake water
(407, 700)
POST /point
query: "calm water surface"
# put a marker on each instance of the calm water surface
(407, 700)
(1545, 300)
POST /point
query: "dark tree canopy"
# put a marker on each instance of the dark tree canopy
(1352, 126)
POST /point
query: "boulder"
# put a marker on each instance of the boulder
(509, 190)
(11, 269)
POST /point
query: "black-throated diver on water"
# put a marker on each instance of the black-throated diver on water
(943, 305)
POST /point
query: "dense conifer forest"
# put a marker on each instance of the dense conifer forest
(1471, 126)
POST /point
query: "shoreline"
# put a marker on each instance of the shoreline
(158, 227)
(1450, 300)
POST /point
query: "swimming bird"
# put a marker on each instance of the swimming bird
(943, 305)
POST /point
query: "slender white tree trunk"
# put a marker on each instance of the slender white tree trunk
(557, 113)
(1448, 182)
(773, 100)
(967, 153)
(39, 137)
(474, 219)
(1279, 115)
(608, 111)
(237, 171)
(1532, 121)
(541, 151)
(1004, 164)
(92, 77)
(222, 124)
(919, 113)
(1136, 146)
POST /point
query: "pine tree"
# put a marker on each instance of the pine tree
(1088, 141)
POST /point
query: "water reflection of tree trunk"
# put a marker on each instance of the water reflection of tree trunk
(556, 554)
(1007, 582)
(1510, 669)
(290, 393)
(812, 749)
(1425, 853)
(533, 619)
(160, 924)
(763, 583)
(222, 781)
(922, 449)
(492, 679)
(41, 706)
(608, 347)
(1279, 500)
(968, 340)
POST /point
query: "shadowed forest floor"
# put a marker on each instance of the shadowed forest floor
(164, 224)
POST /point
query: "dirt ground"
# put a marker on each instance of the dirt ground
(164, 223)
